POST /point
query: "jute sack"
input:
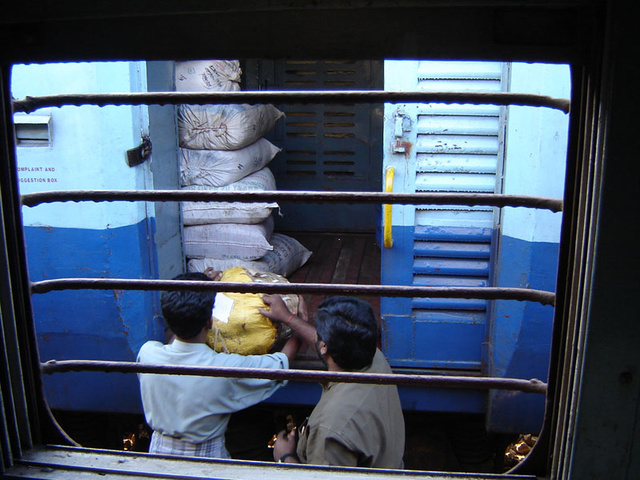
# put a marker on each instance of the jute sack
(219, 168)
(287, 256)
(228, 240)
(201, 213)
(224, 127)
(208, 76)
(238, 326)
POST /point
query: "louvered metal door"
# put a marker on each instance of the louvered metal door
(324, 147)
(440, 148)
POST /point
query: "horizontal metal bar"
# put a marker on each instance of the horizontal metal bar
(29, 104)
(485, 383)
(420, 198)
(487, 293)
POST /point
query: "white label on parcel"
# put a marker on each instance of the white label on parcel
(222, 307)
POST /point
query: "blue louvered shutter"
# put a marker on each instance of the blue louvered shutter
(440, 148)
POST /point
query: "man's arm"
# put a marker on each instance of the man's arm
(291, 348)
(335, 453)
(278, 312)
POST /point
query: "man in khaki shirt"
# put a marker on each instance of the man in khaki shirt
(353, 424)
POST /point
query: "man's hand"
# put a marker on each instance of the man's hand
(286, 444)
(214, 275)
(278, 311)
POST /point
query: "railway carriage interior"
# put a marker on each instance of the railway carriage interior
(558, 341)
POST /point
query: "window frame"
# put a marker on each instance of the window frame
(585, 44)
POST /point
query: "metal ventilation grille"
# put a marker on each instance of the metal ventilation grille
(328, 136)
(325, 147)
(327, 130)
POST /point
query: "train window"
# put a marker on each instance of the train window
(460, 332)
(435, 148)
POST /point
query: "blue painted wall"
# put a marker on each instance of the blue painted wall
(520, 334)
(92, 324)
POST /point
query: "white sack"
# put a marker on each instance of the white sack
(201, 213)
(217, 168)
(228, 240)
(287, 256)
(224, 127)
(208, 76)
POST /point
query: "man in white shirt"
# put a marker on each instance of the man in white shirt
(189, 414)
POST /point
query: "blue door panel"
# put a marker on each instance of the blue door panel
(434, 345)
(448, 304)
(442, 400)
(449, 345)
(448, 249)
(453, 234)
(442, 281)
(397, 263)
(397, 338)
(451, 266)
(491, 149)
(455, 148)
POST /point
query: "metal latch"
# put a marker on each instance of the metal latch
(401, 125)
(136, 156)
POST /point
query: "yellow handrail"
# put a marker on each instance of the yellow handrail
(388, 187)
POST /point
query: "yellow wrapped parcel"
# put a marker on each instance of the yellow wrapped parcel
(238, 326)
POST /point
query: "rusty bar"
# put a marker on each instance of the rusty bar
(485, 383)
(29, 104)
(421, 198)
(486, 293)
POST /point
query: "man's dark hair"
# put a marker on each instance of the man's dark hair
(349, 328)
(187, 312)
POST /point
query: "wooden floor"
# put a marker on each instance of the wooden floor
(350, 258)
(346, 259)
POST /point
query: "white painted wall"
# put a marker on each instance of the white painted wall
(88, 148)
(535, 164)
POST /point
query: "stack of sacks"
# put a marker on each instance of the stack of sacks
(221, 148)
